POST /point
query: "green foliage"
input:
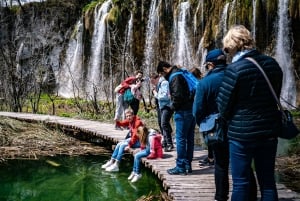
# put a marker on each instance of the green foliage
(91, 5)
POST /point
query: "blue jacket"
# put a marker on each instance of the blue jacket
(206, 93)
(163, 93)
(245, 99)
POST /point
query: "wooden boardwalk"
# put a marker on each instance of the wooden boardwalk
(198, 185)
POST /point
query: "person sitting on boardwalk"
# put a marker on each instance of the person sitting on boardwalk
(146, 136)
(132, 122)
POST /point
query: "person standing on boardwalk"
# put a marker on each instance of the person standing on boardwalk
(209, 160)
(254, 122)
(132, 122)
(182, 104)
(121, 105)
(204, 105)
(162, 94)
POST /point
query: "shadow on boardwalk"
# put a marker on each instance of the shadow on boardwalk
(199, 185)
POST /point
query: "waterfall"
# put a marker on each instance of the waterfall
(223, 21)
(95, 77)
(151, 37)
(182, 54)
(70, 75)
(254, 19)
(128, 59)
(200, 5)
(283, 56)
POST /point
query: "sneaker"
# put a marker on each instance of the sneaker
(206, 162)
(136, 177)
(168, 148)
(176, 171)
(131, 176)
(113, 168)
(107, 164)
(118, 128)
(152, 156)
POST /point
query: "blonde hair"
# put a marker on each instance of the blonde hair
(239, 38)
(128, 110)
(142, 133)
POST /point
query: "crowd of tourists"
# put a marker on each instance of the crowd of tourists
(232, 86)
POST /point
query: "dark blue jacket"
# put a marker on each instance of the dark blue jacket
(179, 90)
(206, 93)
(245, 99)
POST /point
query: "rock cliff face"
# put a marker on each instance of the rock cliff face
(136, 35)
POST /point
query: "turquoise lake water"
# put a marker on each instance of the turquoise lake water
(72, 179)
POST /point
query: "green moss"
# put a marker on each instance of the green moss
(91, 5)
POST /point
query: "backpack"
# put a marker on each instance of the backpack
(190, 79)
(128, 96)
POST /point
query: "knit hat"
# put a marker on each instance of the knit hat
(215, 56)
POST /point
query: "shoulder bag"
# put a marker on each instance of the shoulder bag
(213, 129)
(289, 129)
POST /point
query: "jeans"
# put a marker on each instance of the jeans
(221, 157)
(120, 107)
(185, 132)
(119, 150)
(263, 152)
(137, 159)
(166, 115)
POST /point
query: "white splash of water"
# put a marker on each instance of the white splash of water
(70, 76)
(283, 56)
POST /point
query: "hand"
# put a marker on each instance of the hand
(126, 148)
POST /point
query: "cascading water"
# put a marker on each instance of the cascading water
(182, 54)
(70, 77)
(151, 36)
(283, 56)
(223, 21)
(254, 19)
(128, 58)
(95, 76)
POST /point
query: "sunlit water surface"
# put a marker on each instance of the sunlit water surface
(71, 179)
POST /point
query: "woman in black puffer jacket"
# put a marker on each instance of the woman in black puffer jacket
(254, 122)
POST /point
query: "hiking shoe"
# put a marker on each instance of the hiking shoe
(188, 169)
(206, 162)
(136, 177)
(113, 168)
(152, 156)
(169, 148)
(118, 128)
(176, 171)
(107, 164)
(131, 176)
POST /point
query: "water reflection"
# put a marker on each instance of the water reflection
(71, 179)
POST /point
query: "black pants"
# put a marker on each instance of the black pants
(166, 115)
(135, 104)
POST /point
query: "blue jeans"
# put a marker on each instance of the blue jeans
(137, 159)
(166, 115)
(119, 150)
(263, 152)
(185, 132)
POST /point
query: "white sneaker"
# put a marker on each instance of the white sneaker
(113, 168)
(131, 176)
(107, 164)
(136, 177)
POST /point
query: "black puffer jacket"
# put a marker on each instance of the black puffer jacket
(180, 95)
(245, 99)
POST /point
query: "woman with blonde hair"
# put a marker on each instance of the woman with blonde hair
(246, 102)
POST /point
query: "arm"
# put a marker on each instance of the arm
(163, 91)
(200, 102)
